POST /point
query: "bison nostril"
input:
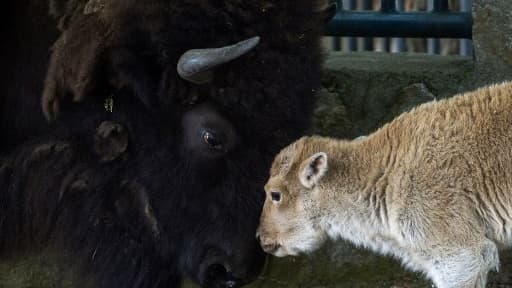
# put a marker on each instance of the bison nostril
(220, 276)
(231, 284)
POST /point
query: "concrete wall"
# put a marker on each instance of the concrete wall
(492, 37)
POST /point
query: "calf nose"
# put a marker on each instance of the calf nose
(270, 247)
(266, 244)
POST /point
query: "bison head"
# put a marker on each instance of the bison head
(209, 91)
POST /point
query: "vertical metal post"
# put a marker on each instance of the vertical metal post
(433, 45)
(465, 45)
(386, 6)
(336, 45)
(398, 44)
(349, 43)
(440, 5)
(367, 42)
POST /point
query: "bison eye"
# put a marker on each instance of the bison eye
(212, 141)
(276, 196)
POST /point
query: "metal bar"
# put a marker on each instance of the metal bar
(384, 44)
(336, 45)
(400, 5)
(387, 6)
(398, 24)
(433, 45)
(465, 45)
(398, 44)
(349, 43)
(440, 6)
(366, 5)
(366, 43)
(335, 41)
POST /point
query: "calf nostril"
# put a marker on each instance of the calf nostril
(271, 247)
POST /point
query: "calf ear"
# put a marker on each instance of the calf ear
(313, 169)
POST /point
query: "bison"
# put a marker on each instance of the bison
(197, 96)
(432, 188)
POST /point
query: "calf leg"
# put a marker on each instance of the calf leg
(463, 267)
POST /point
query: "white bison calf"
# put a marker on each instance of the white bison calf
(432, 188)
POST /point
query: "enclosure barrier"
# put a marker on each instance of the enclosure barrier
(392, 21)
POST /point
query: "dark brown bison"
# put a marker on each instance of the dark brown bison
(202, 94)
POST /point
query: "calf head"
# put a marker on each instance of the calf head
(290, 221)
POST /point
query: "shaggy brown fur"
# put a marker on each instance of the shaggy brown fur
(433, 188)
(103, 40)
(197, 152)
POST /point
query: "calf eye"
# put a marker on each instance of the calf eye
(276, 196)
(212, 141)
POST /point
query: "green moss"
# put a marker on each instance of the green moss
(38, 270)
(338, 265)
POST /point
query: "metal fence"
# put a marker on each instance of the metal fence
(425, 26)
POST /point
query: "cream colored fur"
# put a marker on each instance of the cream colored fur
(432, 188)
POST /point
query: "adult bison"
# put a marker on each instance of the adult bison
(183, 198)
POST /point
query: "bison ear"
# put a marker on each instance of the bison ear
(110, 141)
(313, 169)
(94, 6)
(75, 69)
(64, 10)
(134, 211)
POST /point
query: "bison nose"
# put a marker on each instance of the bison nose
(220, 277)
(232, 283)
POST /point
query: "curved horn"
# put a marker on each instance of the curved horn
(196, 65)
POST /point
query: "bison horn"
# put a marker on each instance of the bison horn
(196, 65)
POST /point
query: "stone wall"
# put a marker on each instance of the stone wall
(492, 38)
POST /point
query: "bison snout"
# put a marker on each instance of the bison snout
(230, 272)
(218, 276)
